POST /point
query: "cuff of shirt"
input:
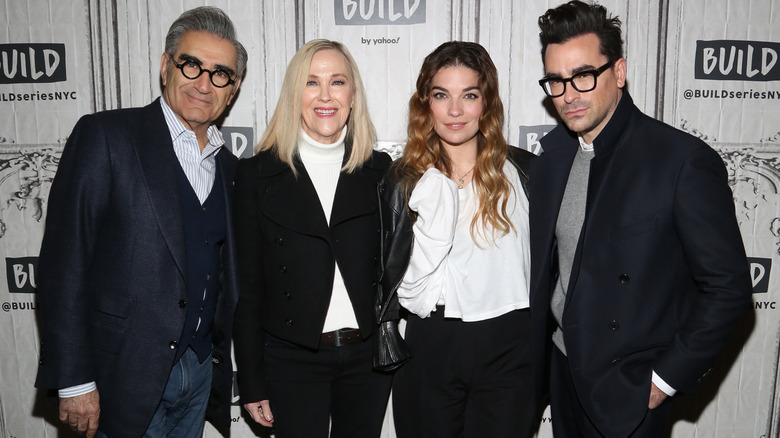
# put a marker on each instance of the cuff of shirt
(663, 386)
(77, 390)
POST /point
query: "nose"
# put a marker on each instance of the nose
(455, 108)
(203, 83)
(324, 93)
(570, 94)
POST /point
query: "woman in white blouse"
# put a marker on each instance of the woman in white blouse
(465, 284)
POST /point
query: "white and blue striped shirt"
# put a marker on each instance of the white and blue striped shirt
(199, 166)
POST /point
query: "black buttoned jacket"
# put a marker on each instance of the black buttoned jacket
(287, 255)
(659, 274)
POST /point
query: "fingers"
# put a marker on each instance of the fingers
(81, 413)
(92, 427)
(265, 410)
(656, 397)
(260, 412)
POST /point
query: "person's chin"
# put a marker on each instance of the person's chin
(576, 125)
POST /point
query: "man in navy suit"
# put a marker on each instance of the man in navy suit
(138, 264)
(638, 268)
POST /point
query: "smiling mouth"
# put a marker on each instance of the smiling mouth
(200, 100)
(325, 112)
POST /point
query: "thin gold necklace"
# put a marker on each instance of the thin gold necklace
(461, 182)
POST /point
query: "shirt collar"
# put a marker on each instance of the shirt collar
(177, 129)
(586, 147)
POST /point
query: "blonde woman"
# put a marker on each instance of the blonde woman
(306, 221)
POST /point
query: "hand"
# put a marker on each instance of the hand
(656, 397)
(82, 412)
(261, 412)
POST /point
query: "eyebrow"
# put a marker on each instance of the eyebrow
(436, 87)
(582, 68)
(189, 58)
(574, 71)
(334, 75)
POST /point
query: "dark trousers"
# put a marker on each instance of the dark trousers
(569, 419)
(465, 379)
(333, 388)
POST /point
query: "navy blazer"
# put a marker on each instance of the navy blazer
(659, 276)
(288, 252)
(113, 270)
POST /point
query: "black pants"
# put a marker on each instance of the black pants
(334, 388)
(465, 379)
(569, 419)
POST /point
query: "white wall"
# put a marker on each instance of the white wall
(111, 59)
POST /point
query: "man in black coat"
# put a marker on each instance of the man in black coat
(137, 267)
(638, 268)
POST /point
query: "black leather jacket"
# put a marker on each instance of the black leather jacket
(397, 235)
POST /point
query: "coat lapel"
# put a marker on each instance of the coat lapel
(158, 168)
(355, 196)
(293, 202)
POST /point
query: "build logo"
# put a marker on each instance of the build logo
(378, 12)
(20, 273)
(32, 63)
(239, 140)
(729, 60)
(760, 269)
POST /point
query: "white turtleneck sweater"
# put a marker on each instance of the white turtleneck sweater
(323, 163)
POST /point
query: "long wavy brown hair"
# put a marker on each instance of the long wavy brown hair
(424, 149)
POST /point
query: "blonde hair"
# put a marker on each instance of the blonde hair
(284, 130)
(424, 149)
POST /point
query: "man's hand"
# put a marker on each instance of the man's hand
(656, 397)
(261, 412)
(81, 413)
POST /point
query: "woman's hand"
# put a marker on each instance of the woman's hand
(261, 412)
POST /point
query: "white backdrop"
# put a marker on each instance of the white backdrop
(709, 67)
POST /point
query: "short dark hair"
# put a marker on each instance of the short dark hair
(206, 19)
(577, 18)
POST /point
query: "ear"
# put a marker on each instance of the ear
(164, 68)
(235, 90)
(620, 72)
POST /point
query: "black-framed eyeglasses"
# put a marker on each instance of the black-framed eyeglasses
(583, 81)
(220, 78)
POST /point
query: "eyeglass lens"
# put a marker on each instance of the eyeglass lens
(192, 70)
(582, 82)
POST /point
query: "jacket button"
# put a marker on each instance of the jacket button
(215, 360)
(182, 304)
(173, 345)
(623, 278)
(286, 295)
(373, 284)
(282, 269)
(617, 360)
(288, 322)
(279, 241)
(614, 325)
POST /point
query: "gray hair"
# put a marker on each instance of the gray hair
(207, 19)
